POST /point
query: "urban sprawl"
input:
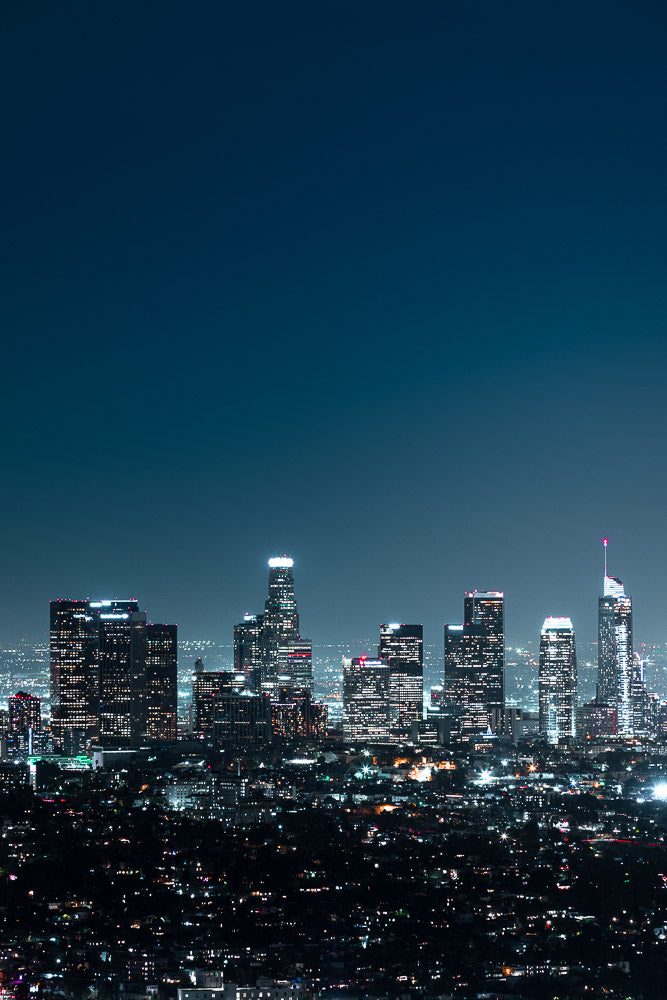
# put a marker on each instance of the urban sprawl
(264, 843)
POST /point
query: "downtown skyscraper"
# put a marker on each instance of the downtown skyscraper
(487, 608)
(113, 675)
(474, 667)
(616, 663)
(366, 701)
(402, 647)
(74, 640)
(268, 648)
(557, 680)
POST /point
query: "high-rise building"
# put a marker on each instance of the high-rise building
(161, 682)
(464, 689)
(402, 647)
(98, 672)
(487, 607)
(268, 648)
(295, 664)
(366, 700)
(74, 670)
(558, 679)
(24, 712)
(248, 650)
(122, 672)
(281, 614)
(241, 720)
(594, 720)
(615, 655)
(296, 718)
(208, 689)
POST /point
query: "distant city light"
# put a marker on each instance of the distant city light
(660, 791)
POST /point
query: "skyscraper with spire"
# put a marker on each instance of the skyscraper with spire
(615, 659)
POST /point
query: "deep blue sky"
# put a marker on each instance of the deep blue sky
(381, 285)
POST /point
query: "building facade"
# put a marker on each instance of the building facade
(25, 712)
(122, 672)
(99, 683)
(366, 712)
(208, 689)
(161, 682)
(402, 647)
(74, 638)
(558, 680)
(615, 654)
(268, 648)
(487, 608)
(248, 650)
(464, 688)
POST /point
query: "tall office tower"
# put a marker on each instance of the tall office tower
(248, 649)
(594, 720)
(281, 615)
(122, 666)
(615, 659)
(294, 660)
(402, 647)
(241, 720)
(24, 712)
(281, 626)
(295, 717)
(465, 689)
(487, 607)
(558, 679)
(161, 682)
(366, 700)
(74, 671)
(208, 689)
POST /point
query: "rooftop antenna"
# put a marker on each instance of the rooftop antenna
(605, 542)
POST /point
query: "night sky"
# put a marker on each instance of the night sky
(380, 285)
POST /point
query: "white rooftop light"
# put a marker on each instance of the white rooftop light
(551, 623)
(613, 587)
(281, 562)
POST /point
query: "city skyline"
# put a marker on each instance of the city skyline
(588, 631)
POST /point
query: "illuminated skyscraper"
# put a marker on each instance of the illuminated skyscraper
(98, 672)
(281, 615)
(24, 712)
(474, 686)
(402, 647)
(464, 689)
(161, 682)
(208, 689)
(366, 700)
(122, 667)
(248, 649)
(558, 679)
(487, 607)
(294, 660)
(283, 652)
(615, 655)
(74, 670)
